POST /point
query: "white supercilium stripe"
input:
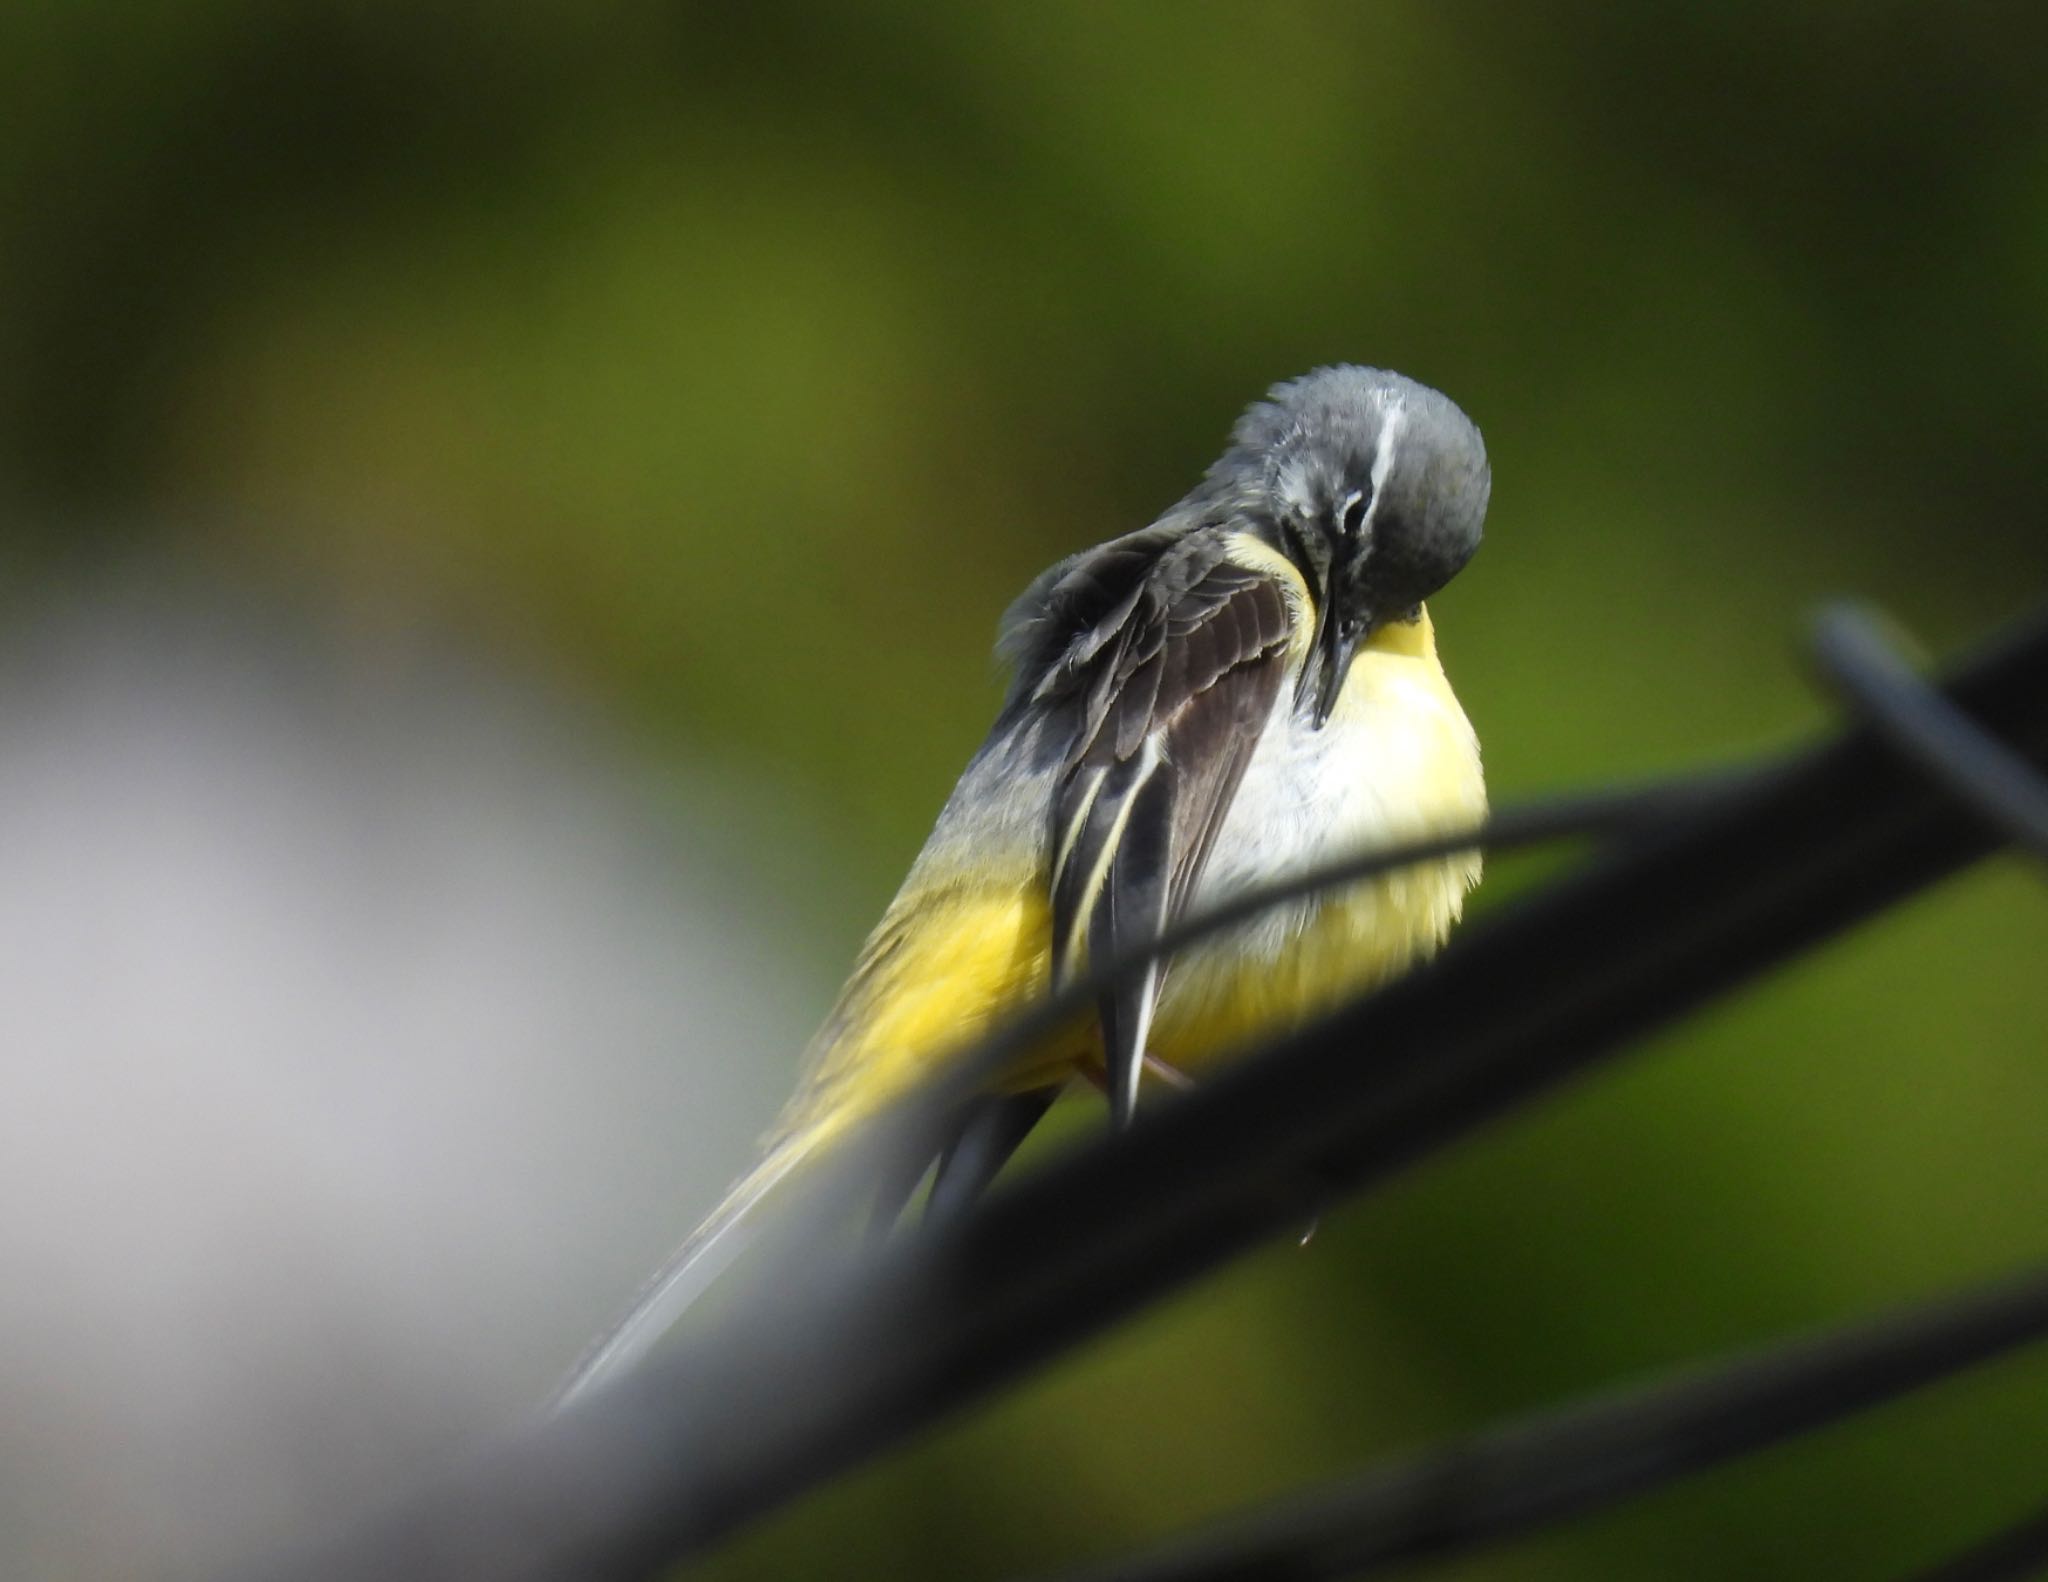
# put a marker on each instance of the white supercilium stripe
(1392, 424)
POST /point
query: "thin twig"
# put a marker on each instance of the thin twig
(1509, 1481)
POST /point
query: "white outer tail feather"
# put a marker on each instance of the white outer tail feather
(669, 1293)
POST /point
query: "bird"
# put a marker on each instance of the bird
(1245, 689)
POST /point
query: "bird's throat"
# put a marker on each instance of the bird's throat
(1414, 639)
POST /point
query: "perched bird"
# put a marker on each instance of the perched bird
(1243, 690)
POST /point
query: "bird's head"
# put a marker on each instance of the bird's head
(1375, 487)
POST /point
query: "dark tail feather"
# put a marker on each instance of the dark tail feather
(990, 1131)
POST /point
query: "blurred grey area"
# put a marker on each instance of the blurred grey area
(366, 1039)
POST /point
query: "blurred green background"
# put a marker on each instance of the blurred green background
(734, 368)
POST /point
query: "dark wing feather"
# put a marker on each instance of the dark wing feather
(1173, 696)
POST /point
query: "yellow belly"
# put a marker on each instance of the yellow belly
(1216, 1005)
(945, 967)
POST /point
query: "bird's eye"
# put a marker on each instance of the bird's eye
(1355, 505)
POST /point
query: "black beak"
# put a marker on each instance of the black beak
(1322, 674)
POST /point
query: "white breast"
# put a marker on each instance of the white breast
(1397, 759)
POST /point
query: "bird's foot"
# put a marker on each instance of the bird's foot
(1171, 1075)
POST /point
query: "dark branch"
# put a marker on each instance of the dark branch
(1856, 657)
(1513, 1480)
(2016, 1553)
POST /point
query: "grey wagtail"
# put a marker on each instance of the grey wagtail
(1244, 690)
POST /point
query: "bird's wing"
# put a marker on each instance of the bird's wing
(1173, 687)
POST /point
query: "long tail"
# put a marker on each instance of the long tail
(701, 1259)
(936, 969)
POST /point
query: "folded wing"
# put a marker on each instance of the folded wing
(1174, 687)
